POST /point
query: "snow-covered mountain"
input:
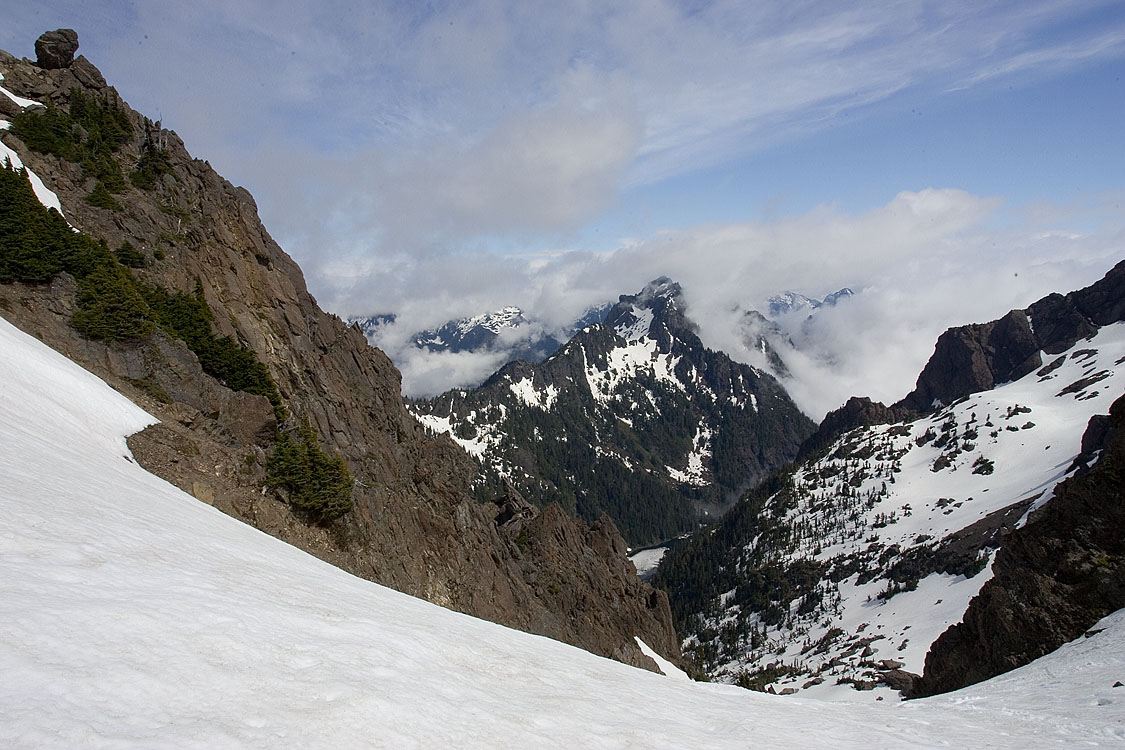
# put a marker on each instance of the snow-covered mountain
(372, 324)
(507, 330)
(789, 302)
(471, 333)
(845, 569)
(135, 615)
(633, 417)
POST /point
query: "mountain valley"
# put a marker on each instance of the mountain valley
(889, 552)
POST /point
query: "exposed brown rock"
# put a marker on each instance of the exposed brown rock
(858, 411)
(898, 679)
(87, 74)
(975, 358)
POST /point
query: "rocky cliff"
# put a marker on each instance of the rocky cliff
(973, 358)
(413, 526)
(977, 357)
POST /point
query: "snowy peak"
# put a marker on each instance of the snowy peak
(372, 324)
(659, 306)
(789, 302)
(471, 333)
(507, 331)
(832, 299)
(662, 288)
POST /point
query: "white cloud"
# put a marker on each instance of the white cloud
(924, 262)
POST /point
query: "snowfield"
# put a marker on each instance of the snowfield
(132, 615)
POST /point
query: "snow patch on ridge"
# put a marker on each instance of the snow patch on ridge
(638, 329)
(696, 472)
(45, 195)
(526, 392)
(666, 667)
(19, 100)
(485, 439)
(624, 363)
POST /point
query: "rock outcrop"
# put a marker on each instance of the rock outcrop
(1054, 577)
(55, 49)
(414, 525)
(975, 358)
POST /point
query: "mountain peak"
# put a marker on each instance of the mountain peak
(790, 301)
(636, 315)
(659, 288)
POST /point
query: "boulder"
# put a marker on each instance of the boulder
(898, 679)
(55, 49)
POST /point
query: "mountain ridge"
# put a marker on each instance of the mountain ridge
(415, 525)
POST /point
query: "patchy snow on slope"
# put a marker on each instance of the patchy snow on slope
(45, 195)
(526, 392)
(638, 329)
(136, 616)
(19, 100)
(485, 437)
(695, 473)
(666, 667)
(881, 502)
(624, 363)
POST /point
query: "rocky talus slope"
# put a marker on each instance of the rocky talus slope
(414, 525)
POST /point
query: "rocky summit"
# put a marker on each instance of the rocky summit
(176, 295)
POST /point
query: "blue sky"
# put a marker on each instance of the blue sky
(441, 159)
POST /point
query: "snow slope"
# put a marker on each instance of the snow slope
(132, 615)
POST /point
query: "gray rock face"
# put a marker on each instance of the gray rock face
(55, 49)
(87, 74)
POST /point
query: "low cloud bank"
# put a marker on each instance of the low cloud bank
(924, 262)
